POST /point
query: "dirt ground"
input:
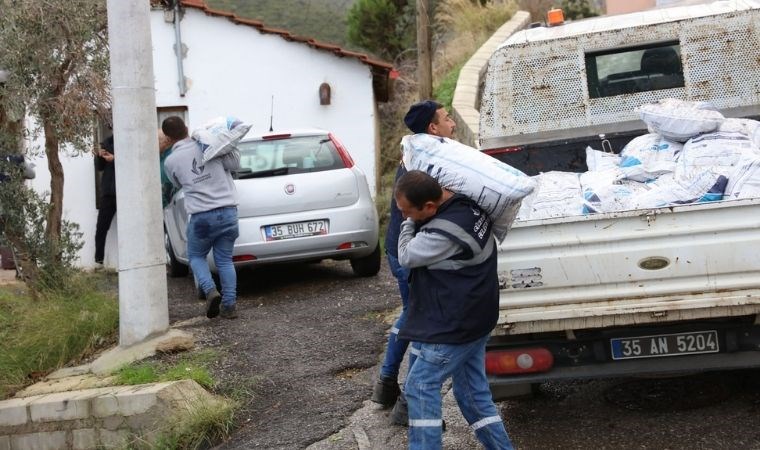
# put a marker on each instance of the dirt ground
(299, 353)
(305, 350)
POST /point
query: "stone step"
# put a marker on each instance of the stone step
(97, 418)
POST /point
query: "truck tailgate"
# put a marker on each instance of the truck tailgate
(601, 270)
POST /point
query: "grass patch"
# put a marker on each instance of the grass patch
(444, 91)
(38, 336)
(203, 425)
(192, 366)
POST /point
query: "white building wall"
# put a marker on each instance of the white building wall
(233, 70)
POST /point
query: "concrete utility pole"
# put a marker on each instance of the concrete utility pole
(143, 306)
(424, 64)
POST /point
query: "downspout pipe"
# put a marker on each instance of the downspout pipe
(178, 50)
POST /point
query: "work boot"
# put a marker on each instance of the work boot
(400, 414)
(228, 312)
(385, 392)
(212, 304)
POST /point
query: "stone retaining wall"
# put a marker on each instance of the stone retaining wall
(96, 418)
(465, 105)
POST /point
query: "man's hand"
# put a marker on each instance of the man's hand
(105, 155)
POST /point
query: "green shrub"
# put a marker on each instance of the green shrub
(384, 27)
(39, 336)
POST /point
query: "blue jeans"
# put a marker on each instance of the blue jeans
(465, 363)
(214, 230)
(395, 349)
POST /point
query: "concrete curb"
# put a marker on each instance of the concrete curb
(98, 418)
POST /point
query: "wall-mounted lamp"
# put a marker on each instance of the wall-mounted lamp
(324, 94)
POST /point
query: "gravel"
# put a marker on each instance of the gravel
(304, 352)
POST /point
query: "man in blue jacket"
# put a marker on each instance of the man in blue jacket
(446, 241)
(432, 118)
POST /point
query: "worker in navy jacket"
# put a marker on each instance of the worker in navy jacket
(446, 240)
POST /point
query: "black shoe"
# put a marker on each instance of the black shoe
(228, 312)
(400, 414)
(385, 392)
(212, 305)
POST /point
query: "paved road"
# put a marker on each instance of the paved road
(306, 349)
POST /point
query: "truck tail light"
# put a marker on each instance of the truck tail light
(521, 360)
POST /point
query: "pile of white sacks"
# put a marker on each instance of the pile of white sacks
(692, 154)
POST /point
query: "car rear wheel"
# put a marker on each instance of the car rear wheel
(367, 266)
(175, 269)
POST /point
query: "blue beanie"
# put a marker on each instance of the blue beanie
(420, 114)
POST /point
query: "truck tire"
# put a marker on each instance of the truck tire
(367, 266)
(174, 268)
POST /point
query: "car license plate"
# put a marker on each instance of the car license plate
(295, 230)
(665, 345)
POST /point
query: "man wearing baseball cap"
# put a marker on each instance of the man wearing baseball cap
(432, 118)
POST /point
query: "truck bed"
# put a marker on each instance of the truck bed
(632, 267)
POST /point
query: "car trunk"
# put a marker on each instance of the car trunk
(310, 191)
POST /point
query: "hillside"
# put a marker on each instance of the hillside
(324, 20)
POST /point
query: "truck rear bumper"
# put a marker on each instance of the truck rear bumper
(658, 366)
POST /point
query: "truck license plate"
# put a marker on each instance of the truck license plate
(295, 230)
(665, 345)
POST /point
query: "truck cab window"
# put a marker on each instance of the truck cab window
(632, 70)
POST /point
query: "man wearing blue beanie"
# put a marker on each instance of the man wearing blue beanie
(432, 118)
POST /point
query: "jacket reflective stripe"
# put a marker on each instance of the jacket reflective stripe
(464, 237)
(483, 422)
(425, 422)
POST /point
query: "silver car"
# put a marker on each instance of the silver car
(302, 199)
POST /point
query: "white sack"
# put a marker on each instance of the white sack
(747, 127)
(220, 136)
(744, 182)
(719, 151)
(612, 197)
(705, 186)
(647, 157)
(558, 194)
(680, 120)
(599, 160)
(496, 187)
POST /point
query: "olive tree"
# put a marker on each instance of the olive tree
(55, 55)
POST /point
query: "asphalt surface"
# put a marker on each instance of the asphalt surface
(305, 350)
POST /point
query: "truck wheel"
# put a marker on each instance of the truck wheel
(175, 269)
(367, 266)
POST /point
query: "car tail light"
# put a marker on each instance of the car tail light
(347, 160)
(243, 258)
(499, 151)
(523, 360)
(348, 245)
(274, 137)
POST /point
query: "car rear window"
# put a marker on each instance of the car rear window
(291, 155)
(634, 69)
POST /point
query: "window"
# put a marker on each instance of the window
(634, 69)
(288, 156)
(166, 111)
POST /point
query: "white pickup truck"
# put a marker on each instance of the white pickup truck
(635, 292)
